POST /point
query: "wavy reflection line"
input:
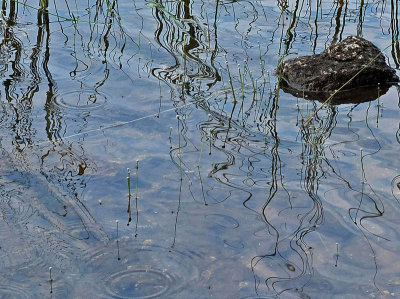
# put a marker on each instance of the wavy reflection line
(181, 34)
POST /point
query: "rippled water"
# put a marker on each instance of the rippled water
(230, 196)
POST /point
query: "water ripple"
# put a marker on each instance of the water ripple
(138, 283)
(13, 291)
(132, 271)
(81, 100)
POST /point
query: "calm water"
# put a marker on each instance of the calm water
(230, 196)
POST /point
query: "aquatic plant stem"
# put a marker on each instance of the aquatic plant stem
(118, 257)
(129, 181)
(170, 137)
(231, 81)
(51, 280)
(129, 196)
(137, 178)
(337, 254)
(136, 197)
(198, 169)
(328, 100)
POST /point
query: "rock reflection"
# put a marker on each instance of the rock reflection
(350, 96)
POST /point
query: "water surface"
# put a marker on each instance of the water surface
(230, 195)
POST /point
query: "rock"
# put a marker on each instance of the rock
(318, 76)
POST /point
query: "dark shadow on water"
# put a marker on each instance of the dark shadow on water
(349, 96)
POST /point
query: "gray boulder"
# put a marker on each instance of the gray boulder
(318, 76)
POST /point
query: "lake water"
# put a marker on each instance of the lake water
(227, 194)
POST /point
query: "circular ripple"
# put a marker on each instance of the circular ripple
(80, 100)
(138, 283)
(13, 291)
(34, 282)
(17, 252)
(140, 272)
